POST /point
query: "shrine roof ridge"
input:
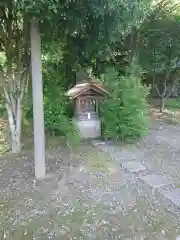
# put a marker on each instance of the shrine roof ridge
(81, 88)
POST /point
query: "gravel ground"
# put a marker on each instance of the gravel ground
(88, 196)
(161, 150)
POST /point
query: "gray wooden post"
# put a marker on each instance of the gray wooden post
(38, 111)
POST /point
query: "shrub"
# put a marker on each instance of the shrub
(125, 113)
(56, 108)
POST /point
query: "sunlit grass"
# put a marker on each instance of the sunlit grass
(99, 161)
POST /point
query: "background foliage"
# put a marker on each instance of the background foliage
(101, 37)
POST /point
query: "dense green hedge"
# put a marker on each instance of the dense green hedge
(125, 114)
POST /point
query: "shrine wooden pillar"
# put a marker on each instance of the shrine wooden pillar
(38, 111)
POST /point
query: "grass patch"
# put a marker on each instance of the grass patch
(3, 148)
(99, 161)
(173, 103)
(170, 103)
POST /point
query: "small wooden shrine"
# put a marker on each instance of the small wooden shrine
(86, 95)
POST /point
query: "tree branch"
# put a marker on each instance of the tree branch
(9, 101)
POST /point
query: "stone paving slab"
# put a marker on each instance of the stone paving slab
(97, 142)
(174, 143)
(127, 156)
(110, 149)
(155, 180)
(134, 167)
(174, 197)
(124, 156)
(116, 156)
(101, 145)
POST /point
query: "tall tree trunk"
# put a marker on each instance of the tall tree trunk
(38, 111)
(162, 104)
(18, 124)
(14, 118)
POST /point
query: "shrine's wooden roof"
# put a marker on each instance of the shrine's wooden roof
(82, 88)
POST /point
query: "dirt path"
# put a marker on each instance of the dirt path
(89, 196)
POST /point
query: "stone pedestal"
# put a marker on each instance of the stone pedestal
(89, 128)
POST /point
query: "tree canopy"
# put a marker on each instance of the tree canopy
(90, 35)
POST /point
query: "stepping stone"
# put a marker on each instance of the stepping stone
(123, 156)
(97, 142)
(130, 156)
(100, 145)
(111, 149)
(155, 180)
(134, 167)
(174, 197)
